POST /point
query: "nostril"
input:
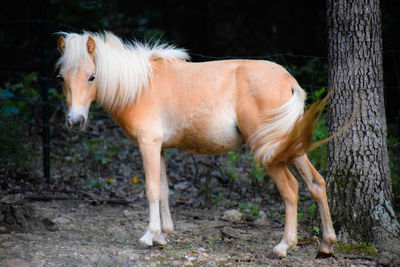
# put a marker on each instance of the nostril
(82, 120)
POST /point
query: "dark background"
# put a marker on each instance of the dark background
(291, 33)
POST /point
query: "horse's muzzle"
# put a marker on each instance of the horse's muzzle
(77, 125)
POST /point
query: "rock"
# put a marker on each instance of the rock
(231, 232)
(16, 263)
(118, 233)
(61, 220)
(128, 213)
(261, 219)
(182, 186)
(12, 199)
(187, 226)
(49, 225)
(211, 263)
(386, 259)
(234, 216)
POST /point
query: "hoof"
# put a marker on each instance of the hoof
(273, 256)
(322, 255)
(161, 240)
(142, 244)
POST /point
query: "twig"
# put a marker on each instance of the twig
(198, 215)
(93, 197)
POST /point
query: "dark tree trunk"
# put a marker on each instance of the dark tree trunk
(358, 177)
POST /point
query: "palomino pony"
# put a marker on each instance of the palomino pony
(162, 101)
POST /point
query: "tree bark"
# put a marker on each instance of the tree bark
(358, 175)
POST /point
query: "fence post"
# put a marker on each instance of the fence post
(45, 102)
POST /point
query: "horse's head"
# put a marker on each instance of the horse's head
(78, 75)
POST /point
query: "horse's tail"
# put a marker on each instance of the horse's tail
(287, 133)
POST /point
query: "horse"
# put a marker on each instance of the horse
(162, 100)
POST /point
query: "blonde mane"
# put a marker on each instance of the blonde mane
(123, 69)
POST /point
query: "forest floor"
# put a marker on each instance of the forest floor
(106, 235)
(93, 210)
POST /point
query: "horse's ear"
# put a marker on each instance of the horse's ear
(91, 45)
(61, 44)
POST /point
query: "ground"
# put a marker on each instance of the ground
(106, 235)
(93, 209)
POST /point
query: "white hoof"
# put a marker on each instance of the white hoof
(146, 240)
(161, 239)
(282, 248)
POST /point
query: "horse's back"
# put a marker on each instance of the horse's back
(215, 106)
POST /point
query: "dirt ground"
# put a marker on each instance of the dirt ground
(107, 234)
(93, 209)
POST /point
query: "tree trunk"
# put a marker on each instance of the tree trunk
(358, 175)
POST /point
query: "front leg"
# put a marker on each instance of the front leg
(150, 149)
(167, 225)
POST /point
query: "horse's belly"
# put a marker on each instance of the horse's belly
(208, 135)
(214, 141)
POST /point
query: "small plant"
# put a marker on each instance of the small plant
(316, 229)
(18, 102)
(257, 173)
(95, 182)
(276, 214)
(362, 248)
(318, 156)
(102, 150)
(249, 210)
(218, 197)
(230, 166)
(21, 97)
(234, 157)
(307, 212)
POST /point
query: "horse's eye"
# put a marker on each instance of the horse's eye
(60, 78)
(91, 78)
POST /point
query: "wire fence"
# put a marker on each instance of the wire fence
(311, 71)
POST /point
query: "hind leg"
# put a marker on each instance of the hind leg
(288, 188)
(317, 188)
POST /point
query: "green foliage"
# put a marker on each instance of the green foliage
(20, 119)
(318, 155)
(316, 229)
(218, 197)
(18, 103)
(101, 149)
(229, 167)
(361, 248)
(307, 212)
(95, 182)
(17, 98)
(251, 209)
(313, 72)
(275, 213)
(10, 146)
(257, 172)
